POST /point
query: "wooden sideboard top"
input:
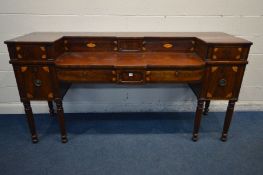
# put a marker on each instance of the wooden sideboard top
(130, 60)
(208, 37)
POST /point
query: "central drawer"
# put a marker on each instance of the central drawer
(131, 76)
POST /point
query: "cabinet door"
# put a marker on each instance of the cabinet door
(35, 82)
(223, 82)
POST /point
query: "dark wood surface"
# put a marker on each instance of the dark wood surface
(126, 60)
(209, 37)
(45, 65)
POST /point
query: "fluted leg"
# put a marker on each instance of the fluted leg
(207, 104)
(60, 114)
(228, 118)
(198, 115)
(51, 109)
(30, 120)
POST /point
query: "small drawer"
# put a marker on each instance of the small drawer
(35, 82)
(131, 76)
(169, 44)
(90, 44)
(96, 76)
(166, 76)
(30, 52)
(228, 53)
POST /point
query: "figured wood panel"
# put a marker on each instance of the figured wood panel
(128, 60)
(173, 76)
(169, 44)
(89, 44)
(83, 75)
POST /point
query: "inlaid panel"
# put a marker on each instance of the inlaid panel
(36, 82)
(223, 81)
(90, 44)
(169, 44)
(228, 53)
(25, 52)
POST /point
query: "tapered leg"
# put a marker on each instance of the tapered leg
(30, 120)
(207, 104)
(60, 114)
(51, 109)
(228, 118)
(198, 115)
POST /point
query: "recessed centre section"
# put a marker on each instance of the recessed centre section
(130, 44)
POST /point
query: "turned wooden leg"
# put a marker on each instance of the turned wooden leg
(198, 115)
(228, 118)
(207, 104)
(51, 109)
(30, 120)
(60, 114)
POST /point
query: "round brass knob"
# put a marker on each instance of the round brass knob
(222, 82)
(37, 83)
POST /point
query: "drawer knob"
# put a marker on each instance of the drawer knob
(37, 83)
(222, 82)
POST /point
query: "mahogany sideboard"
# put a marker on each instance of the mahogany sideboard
(47, 63)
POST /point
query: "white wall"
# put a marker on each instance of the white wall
(240, 18)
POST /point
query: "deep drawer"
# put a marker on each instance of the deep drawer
(223, 82)
(35, 82)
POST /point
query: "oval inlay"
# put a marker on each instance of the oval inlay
(168, 45)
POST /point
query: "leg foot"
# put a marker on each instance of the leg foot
(198, 116)
(64, 139)
(228, 118)
(60, 115)
(34, 139)
(224, 137)
(206, 110)
(51, 109)
(195, 137)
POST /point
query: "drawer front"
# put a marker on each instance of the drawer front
(131, 76)
(228, 53)
(30, 52)
(223, 82)
(169, 44)
(35, 82)
(167, 76)
(96, 76)
(90, 44)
